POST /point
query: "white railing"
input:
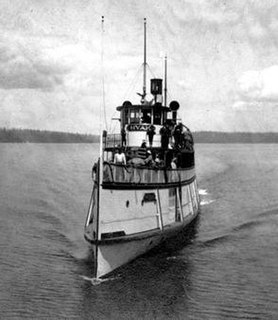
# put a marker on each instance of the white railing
(113, 173)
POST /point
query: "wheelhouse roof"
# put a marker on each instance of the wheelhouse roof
(142, 107)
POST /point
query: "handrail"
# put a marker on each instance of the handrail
(122, 174)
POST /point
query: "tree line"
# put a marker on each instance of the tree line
(43, 136)
(235, 137)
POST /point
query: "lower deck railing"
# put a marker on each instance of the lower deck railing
(120, 174)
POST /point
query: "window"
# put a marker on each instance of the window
(134, 116)
(157, 117)
(146, 116)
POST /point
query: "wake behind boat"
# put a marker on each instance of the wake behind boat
(145, 188)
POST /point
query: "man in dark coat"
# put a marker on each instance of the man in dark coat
(123, 134)
(151, 133)
(165, 134)
(177, 134)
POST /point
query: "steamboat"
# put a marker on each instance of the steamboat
(144, 182)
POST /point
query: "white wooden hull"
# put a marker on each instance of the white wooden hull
(129, 227)
(110, 257)
(113, 256)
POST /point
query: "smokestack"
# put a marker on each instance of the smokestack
(156, 90)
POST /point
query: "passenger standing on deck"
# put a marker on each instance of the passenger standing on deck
(142, 151)
(119, 157)
(174, 163)
(151, 133)
(159, 163)
(149, 160)
(123, 134)
(177, 134)
(187, 139)
(165, 133)
(143, 144)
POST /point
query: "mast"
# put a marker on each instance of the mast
(103, 73)
(100, 161)
(165, 81)
(145, 62)
(102, 106)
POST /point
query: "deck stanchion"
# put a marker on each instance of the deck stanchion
(159, 210)
(179, 201)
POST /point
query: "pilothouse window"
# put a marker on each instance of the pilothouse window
(157, 117)
(134, 116)
(147, 116)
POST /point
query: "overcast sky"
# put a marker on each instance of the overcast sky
(222, 61)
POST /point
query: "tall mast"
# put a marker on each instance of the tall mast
(100, 166)
(165, 81)
(102, 106)
(145, 61)
(102, 72)
(100, 161)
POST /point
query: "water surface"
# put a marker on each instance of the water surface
(226, 270)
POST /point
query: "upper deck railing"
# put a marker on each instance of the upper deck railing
(120, 174)
(112, 140)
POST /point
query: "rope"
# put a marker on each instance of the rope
(132, 83)
(150, 70)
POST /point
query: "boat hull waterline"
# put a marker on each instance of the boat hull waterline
(159, 222)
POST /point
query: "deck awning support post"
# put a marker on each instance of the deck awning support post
(179, 202)
(158, 205)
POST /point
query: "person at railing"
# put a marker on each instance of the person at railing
(151, 133)
(120, 161)
(177, 134)
(149, 160)
(94, 171)
(142, 151)
(174, 163)
(143, 144)
(187, 139)
(119, 157)
(107, 173)
(165, 134)
(159, 163)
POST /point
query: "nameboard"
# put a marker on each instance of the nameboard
(138, 127)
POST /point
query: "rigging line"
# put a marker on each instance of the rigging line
(125, 95)
(138, 73)
(132, 83)
(102, 72)
(150, 70)
(111, 123)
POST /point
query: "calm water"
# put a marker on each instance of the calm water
(227, 270)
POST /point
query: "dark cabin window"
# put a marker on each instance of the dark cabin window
(157, 118)
(146, 116)
(134, 116)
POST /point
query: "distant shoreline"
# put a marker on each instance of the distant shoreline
(235, 137)
(39, 136)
